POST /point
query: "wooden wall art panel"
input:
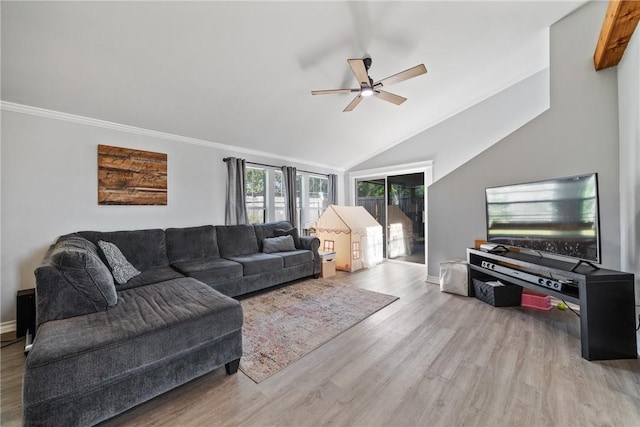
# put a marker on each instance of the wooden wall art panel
(131, 177)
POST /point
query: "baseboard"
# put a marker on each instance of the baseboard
(7, 327)
(433, 279)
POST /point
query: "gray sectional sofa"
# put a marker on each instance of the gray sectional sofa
(103, 346)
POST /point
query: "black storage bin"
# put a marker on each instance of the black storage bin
(498, 296)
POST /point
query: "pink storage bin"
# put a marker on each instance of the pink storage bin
(534, 300)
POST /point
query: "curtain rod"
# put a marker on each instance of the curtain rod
(277, 167)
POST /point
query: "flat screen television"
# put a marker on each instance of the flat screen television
(557, 216)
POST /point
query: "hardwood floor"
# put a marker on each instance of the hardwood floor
(428, 359)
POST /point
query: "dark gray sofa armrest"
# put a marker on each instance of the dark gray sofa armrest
(71, 281)
(312, 243)
(56, 298)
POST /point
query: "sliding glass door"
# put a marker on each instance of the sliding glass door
(397, 203)
(371, 195)
(405, 217)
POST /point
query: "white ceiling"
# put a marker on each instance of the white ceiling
(240, 73)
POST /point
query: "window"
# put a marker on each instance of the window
(255, 180)
(355, 250)
(299, 202)
(312, 198)
(328, 245)
(317, 196)
(278, 197)
(266, 196)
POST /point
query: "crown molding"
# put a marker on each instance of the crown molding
(88, 121)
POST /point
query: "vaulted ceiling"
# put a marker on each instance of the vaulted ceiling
(240, 73)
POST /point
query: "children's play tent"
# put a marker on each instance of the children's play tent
(353, 234)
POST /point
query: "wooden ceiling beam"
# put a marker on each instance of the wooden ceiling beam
(619, 22)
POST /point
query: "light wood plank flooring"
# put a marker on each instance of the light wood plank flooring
(429, 359)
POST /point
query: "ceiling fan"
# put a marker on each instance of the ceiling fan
(360, 69)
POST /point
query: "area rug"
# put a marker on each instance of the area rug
(285, 324)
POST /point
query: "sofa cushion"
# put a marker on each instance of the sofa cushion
(143, 248)
(150, 324)
(77, 260)
(264, 231)
(258, 263)
(278, 244)
(236, 240)
(150, 276)
(210, 270)
(121, 269)
(191, 243)
(293, 232)
(293, 258)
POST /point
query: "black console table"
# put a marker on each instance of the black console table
(606, 297)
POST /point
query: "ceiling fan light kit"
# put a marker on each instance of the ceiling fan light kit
(366, 91)
(360, 69)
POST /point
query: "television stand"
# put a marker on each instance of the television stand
(606, 297)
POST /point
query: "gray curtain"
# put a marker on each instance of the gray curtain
(289, 175)
(332, 190)
(236, 205)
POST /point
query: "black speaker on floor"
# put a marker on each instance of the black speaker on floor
(26, 312)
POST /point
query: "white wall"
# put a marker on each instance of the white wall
(49, 188)
(578, 134)
(460, 138)
(629, 111)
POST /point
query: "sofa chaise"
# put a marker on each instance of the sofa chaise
(124, 316)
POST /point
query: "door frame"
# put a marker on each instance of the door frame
(409, 168)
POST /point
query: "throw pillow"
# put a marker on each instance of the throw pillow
(121, 269)
(293, 232)
(278, 244)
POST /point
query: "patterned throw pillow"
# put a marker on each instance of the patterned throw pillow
(121, 269)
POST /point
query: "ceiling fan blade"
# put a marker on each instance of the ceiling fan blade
(353, 104)
(390, 97)
(359, 71)
(404, 75)
(331, 91)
